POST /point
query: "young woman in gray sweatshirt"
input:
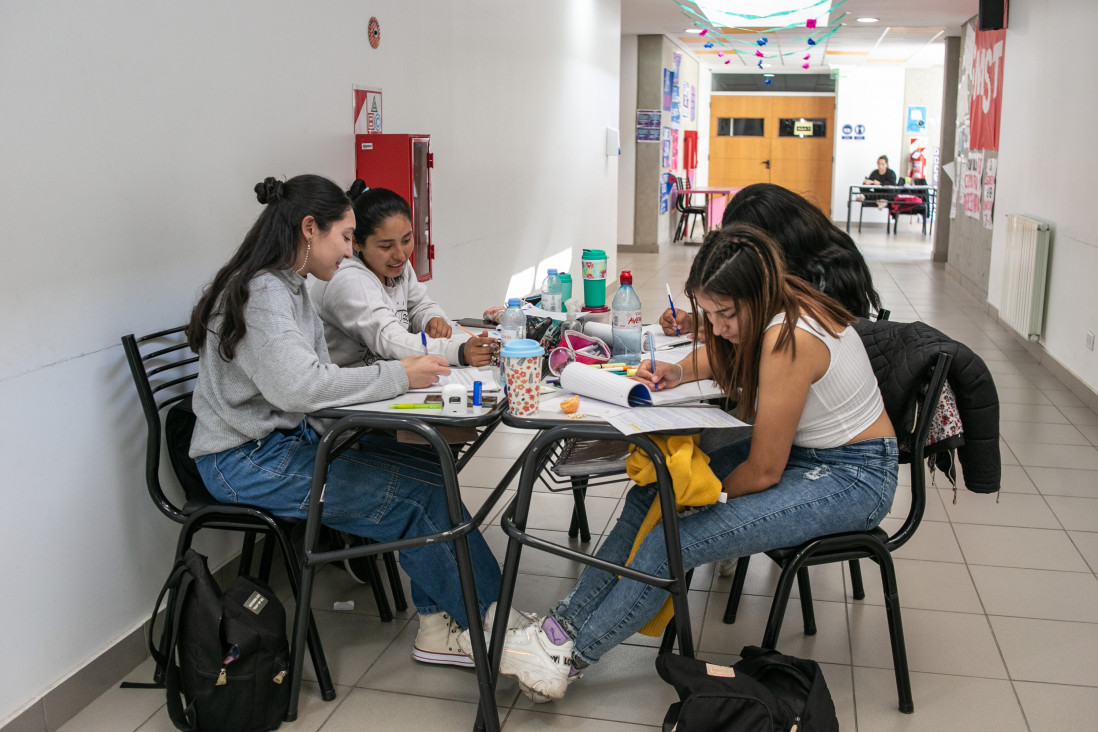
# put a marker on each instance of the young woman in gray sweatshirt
(264, 367)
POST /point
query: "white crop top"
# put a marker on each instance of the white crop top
(846, 399)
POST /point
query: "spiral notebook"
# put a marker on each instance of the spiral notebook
(605, 386)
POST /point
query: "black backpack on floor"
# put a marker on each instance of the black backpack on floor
(226, 655)
(763, 692)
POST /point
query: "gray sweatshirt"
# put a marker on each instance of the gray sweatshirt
(366, 319)
(280, 373)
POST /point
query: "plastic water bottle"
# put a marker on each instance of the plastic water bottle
(551, 293)
(625, 320)
(512, 324)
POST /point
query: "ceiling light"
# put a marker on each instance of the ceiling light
(767, 74)
(693, 30)
(767, 66)
(868, 20)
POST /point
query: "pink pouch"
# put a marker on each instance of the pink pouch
(577, 347)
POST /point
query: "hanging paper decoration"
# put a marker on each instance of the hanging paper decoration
(728, 60)
(810, 23)
(709, 44)
(759, 54)
(763, 41)
(767, 81)
(760, 64)
(811, 42)
(804, 66)
(720, 54)
(807, 56)
(706, 30)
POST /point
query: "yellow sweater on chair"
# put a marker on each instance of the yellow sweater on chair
(694, 484)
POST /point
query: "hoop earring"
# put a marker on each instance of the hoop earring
(308, 248)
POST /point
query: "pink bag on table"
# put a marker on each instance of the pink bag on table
(579, 348)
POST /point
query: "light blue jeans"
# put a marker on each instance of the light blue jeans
(383, 491)
(822, 491)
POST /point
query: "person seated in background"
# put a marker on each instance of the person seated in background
(822, 458)
(882, 176)
(375, 308)
(814, 249)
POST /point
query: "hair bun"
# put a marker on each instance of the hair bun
(357, 189)
(269, 191)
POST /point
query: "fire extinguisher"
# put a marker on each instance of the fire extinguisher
(918, 164)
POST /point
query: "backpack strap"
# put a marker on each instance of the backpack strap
(182, 718)
(161, 655)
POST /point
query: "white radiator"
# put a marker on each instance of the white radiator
(1023, 302)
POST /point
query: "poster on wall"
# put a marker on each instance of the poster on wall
(367, 110)
(665, 145)
(676, 103)
(693, 102)
(986, 99)
(989, 192)
(667, 81)
(970, 183)
(648, 125)
(916, 120)
(674, 151)
(665, 193)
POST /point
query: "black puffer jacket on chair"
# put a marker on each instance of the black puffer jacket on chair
(899, 351)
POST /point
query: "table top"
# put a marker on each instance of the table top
(430, 416)
(895, 187)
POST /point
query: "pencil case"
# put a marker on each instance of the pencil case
(578, 348)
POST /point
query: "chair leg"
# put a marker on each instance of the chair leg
(777, 607)
(670, 633)
(807, 613)
(374, 576)
(895, 629)
(265, 560)
(856, 580)
(738, 580)
(400, 600)
(579, 525)
(247, 549)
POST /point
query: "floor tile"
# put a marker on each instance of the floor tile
(937, 642)
(1052, 651)
(521, 720)
(120, 708)
(1063, 398)
(1012, 509)
(762, 577)
(362, 639)
(1056, 707)
(1076, 514)
(933, 541)
(926, 585)
(1032, 413)
(1025, 593)
(1087, 544)
(1055, 434)
(1032, 454)
(1090, 431)
(1010, 546)
(1080, 415)
(1024, 395)
(420, 712)
(941, 703)
(1065, 481)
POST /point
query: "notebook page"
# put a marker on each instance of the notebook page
(488, 377)
(595, 383)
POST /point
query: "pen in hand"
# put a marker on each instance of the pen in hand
(652, 356)
(674, 315)
(423, 337)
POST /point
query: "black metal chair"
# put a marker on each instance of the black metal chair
(920, 209)
(876, 544)
(686, 210)
(165, 371)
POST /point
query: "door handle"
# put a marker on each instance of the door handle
(767, 164)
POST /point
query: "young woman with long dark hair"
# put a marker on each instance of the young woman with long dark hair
(821, 459)
(264, 367)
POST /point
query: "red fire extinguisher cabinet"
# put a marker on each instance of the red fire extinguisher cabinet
(402, 163)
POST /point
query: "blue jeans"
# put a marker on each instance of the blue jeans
(822, 491)
(383, 491)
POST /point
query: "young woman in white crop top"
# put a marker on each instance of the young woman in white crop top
(822, 457)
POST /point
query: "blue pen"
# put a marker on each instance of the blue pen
(652, 356)
(423, 337)
(674, 315)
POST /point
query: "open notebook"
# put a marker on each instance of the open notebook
(489, 379)
(595, 383)
(661, 342)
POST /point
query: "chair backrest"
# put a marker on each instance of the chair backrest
(164, 369)
(925, 391)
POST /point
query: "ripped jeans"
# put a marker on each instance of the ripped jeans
(822, 491)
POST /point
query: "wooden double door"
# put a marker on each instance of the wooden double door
(754, 139)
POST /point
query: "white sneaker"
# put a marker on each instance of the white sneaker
(515, 619)
(727, 567)
(539, 665)
(437, 641)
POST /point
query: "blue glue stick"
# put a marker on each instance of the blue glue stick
(476, 393)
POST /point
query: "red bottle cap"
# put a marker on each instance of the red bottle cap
(626, 277)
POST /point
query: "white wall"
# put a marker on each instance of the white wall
(874, 98)
(627, 163)
(133, 134)
(1043, 149)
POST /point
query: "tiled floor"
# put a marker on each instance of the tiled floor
(1000, 599)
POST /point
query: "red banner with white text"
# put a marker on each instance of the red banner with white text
(987, 90)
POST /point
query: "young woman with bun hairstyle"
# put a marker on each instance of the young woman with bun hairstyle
(814, 249)
(264, 367)
(375, 307)
(821, 459)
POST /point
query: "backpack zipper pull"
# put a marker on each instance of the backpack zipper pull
(279, 677)
(222, 677)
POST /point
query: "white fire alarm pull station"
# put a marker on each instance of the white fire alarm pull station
(613, 144)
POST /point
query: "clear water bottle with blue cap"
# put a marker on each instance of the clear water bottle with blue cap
(551, 293)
